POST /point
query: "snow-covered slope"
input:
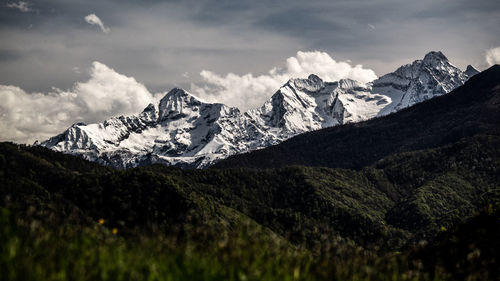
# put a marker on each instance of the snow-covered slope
(421, 80)
(303, 105)
(184, 131)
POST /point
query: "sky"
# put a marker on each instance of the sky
(64, 61)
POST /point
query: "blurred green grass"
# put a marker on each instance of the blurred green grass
(31, 251)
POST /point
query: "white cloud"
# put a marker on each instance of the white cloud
(95, 20)
(493, 56)
(25, 117)
(21, 6)
(249, 91)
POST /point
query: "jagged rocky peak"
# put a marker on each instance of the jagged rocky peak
(437, 62)
(178, 95)
(349, 84)
(177, 102)
(149, 108)
(423, 79)
(432, 61)
(150, 113)
(471, 71)
(312, 84)
(434, 57)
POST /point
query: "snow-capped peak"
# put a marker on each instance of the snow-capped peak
(434, 57)
(176, 102)
(423, 79)
(176, 94)
(312, 84)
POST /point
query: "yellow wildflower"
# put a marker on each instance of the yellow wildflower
(101, 221)
(114, 231)
(296, 273)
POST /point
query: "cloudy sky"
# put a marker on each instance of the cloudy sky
(59, 57)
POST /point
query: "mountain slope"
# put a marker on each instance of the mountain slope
(303, 105)
(184, 131)
(469, 110)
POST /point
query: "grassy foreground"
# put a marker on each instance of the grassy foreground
(31, 251)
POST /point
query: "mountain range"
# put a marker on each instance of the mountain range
(182, 130)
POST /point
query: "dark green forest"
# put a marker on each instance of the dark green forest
(375, 217)
(411, 196)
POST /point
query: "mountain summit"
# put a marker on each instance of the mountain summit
(421, 80)
(185, 131)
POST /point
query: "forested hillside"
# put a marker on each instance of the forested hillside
(406, 197)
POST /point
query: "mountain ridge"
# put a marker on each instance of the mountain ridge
(188, 132)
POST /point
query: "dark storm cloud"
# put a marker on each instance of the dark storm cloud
(157, 41)
(309, 22)
(9, 55)
(458, 9)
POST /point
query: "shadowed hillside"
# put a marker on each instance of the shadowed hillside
(406, 197)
